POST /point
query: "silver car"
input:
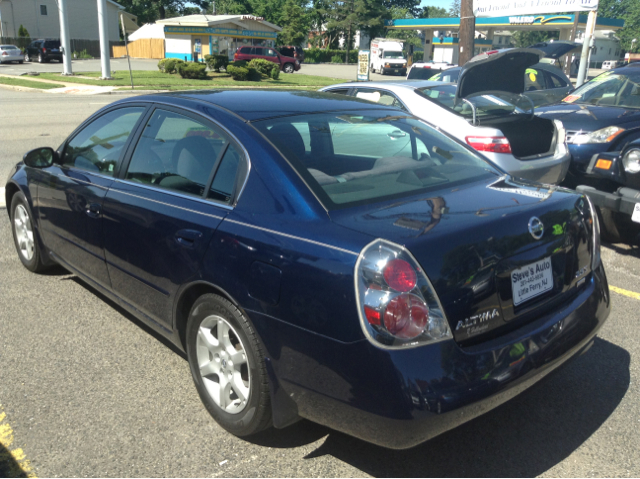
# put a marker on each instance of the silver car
(487, 110)
(10, 53)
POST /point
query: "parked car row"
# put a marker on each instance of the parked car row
(41, 51)
(352, 259)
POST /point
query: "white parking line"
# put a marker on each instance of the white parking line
(2, 205)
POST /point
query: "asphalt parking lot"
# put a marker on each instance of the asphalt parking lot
(86, 390)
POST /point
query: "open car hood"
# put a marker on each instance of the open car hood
(557, 48)
(501, 70)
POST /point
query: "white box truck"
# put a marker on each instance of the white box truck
(387, 56)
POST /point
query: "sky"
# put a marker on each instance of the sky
(436, 3)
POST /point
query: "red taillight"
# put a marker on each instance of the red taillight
(494, 144)
(406, 316)
(426, 66)
(44, 50)
(235, 57)
(4, 53)
(372, 315)
(400, 275)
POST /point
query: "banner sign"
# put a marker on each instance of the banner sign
(363, 65)
(518, 8)
(227, 32)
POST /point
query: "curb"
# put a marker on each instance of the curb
(20, 88)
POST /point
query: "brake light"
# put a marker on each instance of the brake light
(4, 53)
(426, 66)
(494, 144)
(235, 56)
(397, 304)
(44, 50)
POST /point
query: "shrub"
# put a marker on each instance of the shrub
(82, 54)
(239, 73)
(216, 62)
(264, 66)
(240, 63)
(337, 59)
(161, 64)
(322, 55)
(275, 73)
(171, 64)
(192, 70)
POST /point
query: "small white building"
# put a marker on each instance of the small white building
(606, 46)
(42, 20)
(209, 34)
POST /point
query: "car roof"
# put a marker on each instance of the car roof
(255, 105)
(389, 85)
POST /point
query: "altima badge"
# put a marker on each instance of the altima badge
(536, 228)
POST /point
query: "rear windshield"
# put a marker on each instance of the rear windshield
(353, 158)
(447, 76)
(487, 104)
(51, 44)
(8, 47)
(417, 73)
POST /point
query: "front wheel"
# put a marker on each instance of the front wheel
(288, 68)
(227, 365)
(24, 235)
(40, 58)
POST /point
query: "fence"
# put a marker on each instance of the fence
(143, 48)
(92, 47)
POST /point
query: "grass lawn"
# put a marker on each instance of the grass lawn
(155, 80)
(29, 83)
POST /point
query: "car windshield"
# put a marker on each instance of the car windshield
(447, 76)
(392, 55)
(358, 158)
(487, 104)
(612, 88)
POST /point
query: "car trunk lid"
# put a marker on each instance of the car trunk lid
(497, 70)
(476, 246)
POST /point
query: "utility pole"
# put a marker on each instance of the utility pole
(586, 47)
(103, 27)
(467, 32)
(64, 37)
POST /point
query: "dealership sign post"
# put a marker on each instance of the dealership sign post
(363, 65)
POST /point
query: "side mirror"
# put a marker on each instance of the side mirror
(40, 157)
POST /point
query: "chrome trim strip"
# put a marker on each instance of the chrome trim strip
(169, 204)
(306, 240)
(66, 177)
(174, 193)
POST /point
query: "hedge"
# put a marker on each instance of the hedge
(192, 70)
(321, 55)
(239, 73)
(171, 64)
(265, 67)
(216, 62)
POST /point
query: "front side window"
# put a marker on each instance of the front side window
(178, 153)
(356, 158)
(270, 52)
(614, 89)
(98, 147)
(379, 96)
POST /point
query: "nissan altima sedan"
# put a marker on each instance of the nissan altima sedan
(318, 257)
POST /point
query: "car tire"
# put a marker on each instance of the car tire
(20, 62)
(40, 58)
(288, 68)
(25, 236)
(616, 228)
(27, 58)
(217, 332)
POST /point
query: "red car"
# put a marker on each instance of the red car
(287, 64)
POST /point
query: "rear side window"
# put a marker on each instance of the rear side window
(363, 158)
(258, 51)
(246, 50)
(533, 80)
(554, 81)
(97, 148)
(225, 179)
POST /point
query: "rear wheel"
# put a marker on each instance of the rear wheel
(25, 236)
(227, 365)
(616, 227)
(40, 58)
(27, 57)
(288, 68)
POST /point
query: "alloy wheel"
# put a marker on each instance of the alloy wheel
(222, 360)
(24, 232)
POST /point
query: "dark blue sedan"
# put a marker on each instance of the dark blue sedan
(318, 257)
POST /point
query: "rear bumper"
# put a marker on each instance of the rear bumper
(399, 399)
(551, 169)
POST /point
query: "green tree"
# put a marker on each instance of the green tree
(627, 10)
(295, 24)
(524, 39)
(412, 7)
(454, 9)
(433, 12)
(23, 33)
(408, 36)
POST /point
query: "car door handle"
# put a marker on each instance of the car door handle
(93, 210)
(188, 238)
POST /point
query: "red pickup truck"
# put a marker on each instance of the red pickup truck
(287, 64)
